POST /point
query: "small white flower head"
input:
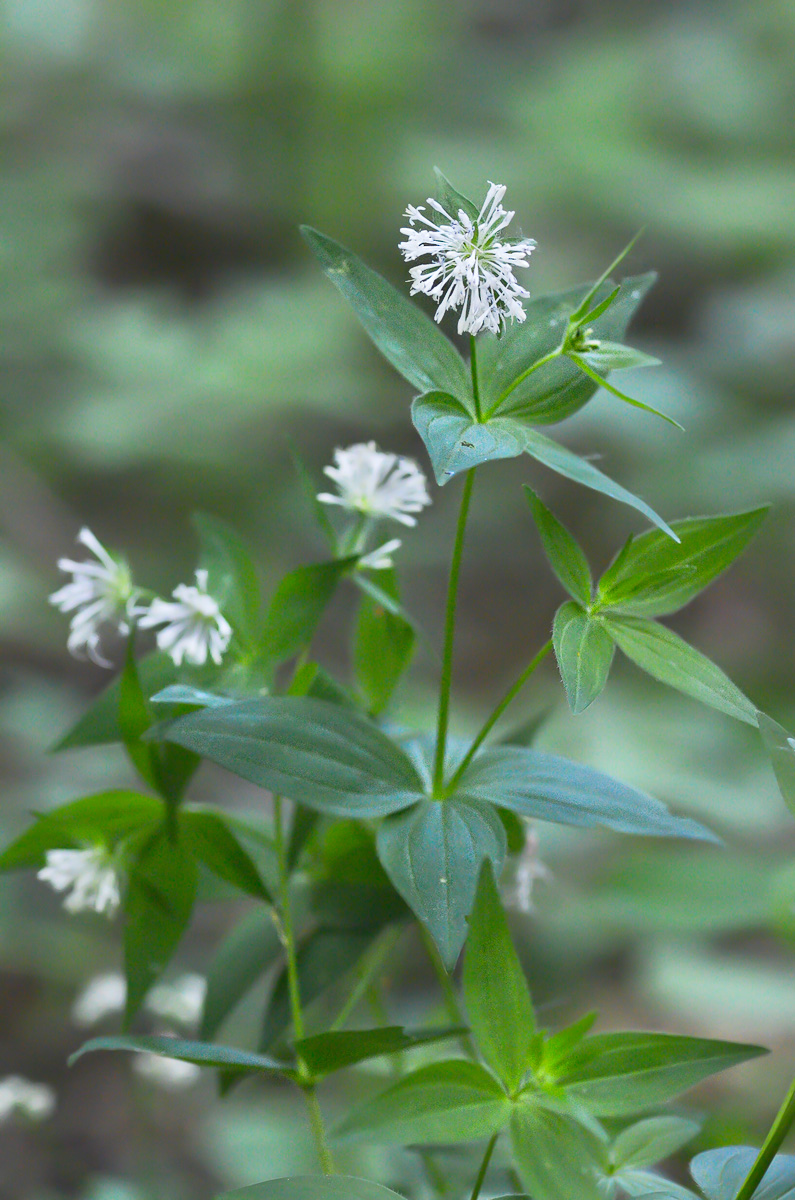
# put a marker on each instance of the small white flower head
(380, 559)
(194, 626)
(91, 874)
(100, 593)
(102, 996)
(33, 1100)
(377, 484)
(170, 1073)
(471, 265)
(529, 868)
(181, 1001)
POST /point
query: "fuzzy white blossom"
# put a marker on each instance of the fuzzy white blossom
(181, 1001)
(471, 264)
(529, 868)
(377, 484)
(380, 559)
(194, 626)
(90, 874)
(100, 593)
(170, 1073)
(33, 1100)
(101, 997)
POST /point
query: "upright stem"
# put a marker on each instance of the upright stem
(541, 362)
(484, 1166)
(778, 1131)
(305, 1080)
(507, 699)
(449, 636)
(454, 1010)
(473, 366)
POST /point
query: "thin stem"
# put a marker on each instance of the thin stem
(553, 354)
(319, 1130)
(449, 636)
(507, 699)
(374, 960)
(454, 1010)
(473, 366)
(484, 1166)
(778, 1131)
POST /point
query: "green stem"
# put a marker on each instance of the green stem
(553, 354)
(484, 1166)
(374, 960)
(473, 366)
(778, 1131)
(507, 699)
(454, 1010)
(319, 1130)
(449, 636)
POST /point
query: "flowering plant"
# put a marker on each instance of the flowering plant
(374, 828)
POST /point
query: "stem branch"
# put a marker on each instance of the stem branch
(454, 1010)
(553, 354)
(473, 366)
(484, 1166)
(778, 1131)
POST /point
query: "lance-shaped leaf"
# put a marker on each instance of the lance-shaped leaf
(451, 200)
(100, 724)
(433, 854)
(549, 788)
(102, 819)
(616, 1074)
(297, 605)
(209, 838)
(232, 576)
(557, 1157)
(648, 1142)
(584, 652)
(564, 553)
(383, 645)
(241, 959)
(495, 990)
(662, 654)
(312, 751)
(601, 381)
(313, 1187)
(453, 1101)
(327, 1052)
(781, 748)
(721, 1173)
(203, 1054)
(613, 356)
(404, 334)
(653, 576)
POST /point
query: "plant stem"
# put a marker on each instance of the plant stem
(473, 366)
(553, 354)
(305, 1080)
(452, 1004)
(449, 635)
(778, 1131)
(507, 699)
(484, 1166)
(373, 961)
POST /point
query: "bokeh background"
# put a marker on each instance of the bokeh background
(164, 333)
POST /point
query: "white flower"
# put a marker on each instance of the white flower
(380, 559)
(102, 996)
(377, 484)
(101, 593)
(171, 1073)
(529, 868)
(90, 874)
(181, 1001)
(194, 625)
(34, 1100)
(471, 267)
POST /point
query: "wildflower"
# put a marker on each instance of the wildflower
(194, 625)
(471, 267)
(529, 868)
(380, 559)
(377, 484)
(90, 874)
(171, 1073)
(101, 593)
(102, 996)
(181, 1001)
(34, 1100)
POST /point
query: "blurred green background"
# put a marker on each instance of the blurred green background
(164, 333)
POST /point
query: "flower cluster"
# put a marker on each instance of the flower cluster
(471, 266)
(193, 625)
(90, 874)
(36, 1101)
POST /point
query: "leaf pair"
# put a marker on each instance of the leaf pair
(651, 577)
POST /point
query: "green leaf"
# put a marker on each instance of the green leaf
(324, 957)
(451, 200)
(232, 577)
(208, 837)
(100, 724)
(297, 605)
(313, 1187)
(447, 1102)
(781, 748)
(600, 381)
(327, 1052)
(160, 895)
(584, 652)
(558, 1046)
(549, 788)
(651, 1186)
(662, 654)
(557, 1158)
(320, 754)
(383, 646)
(203, 1054)
(648, 1142)
(612, 356)
(616, 1074)
(404, 334)
(653, 576)
(433, 854)
(583, 312)
(495, 990)
(721, 1173)
(565, 555)
(185, 693)
(103, 819)
(243, 956)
